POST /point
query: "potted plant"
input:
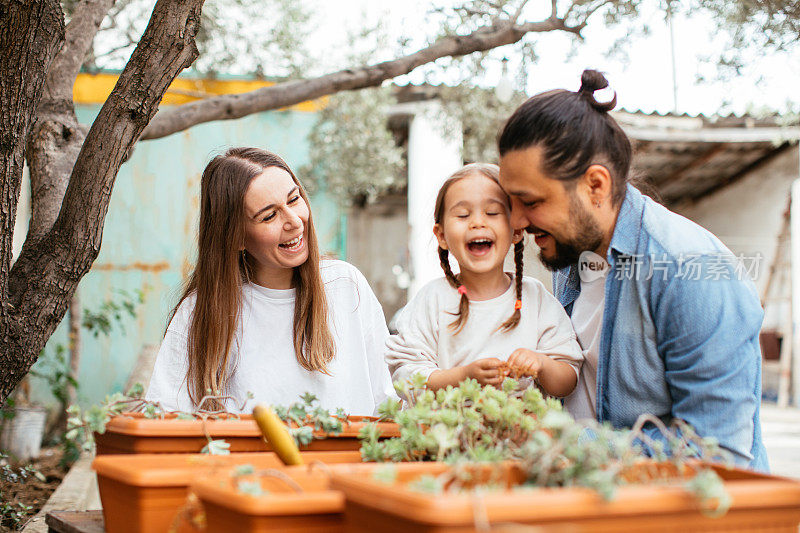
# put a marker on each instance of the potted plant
(250, 500)
(130, 424)
(588, 475)
(432, 497)
(144, 492)
(467, 422)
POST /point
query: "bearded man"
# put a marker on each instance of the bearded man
(668, 321)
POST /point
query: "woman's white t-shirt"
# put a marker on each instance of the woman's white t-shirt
(424, 341)
(264, 361)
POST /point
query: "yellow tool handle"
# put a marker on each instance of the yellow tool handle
(277, 435)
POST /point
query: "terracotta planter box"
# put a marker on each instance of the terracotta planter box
(760, 503)
(281, 509)
(132, 433)
(143, 493)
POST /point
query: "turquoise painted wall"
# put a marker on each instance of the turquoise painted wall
(149, 238)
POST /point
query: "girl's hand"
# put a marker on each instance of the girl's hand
(526, 362)
(486, 371)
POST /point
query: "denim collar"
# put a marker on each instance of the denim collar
(625, 239)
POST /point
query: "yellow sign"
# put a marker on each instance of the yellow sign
(95, 88)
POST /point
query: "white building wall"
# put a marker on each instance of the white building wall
(747, 216)
(434, 152)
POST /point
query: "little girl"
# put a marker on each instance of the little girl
(483, 321)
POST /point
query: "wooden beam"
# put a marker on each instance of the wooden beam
(714, 135)
(698, 161)
(755, 165)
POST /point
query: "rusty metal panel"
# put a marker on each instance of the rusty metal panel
(149, 239)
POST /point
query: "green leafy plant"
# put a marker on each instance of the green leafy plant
(111, 312)
(13, 514)
(55, 371)
(468, 422)
(597, 456)
(306, 416)
(82, 424)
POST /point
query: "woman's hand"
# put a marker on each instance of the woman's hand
(486, 371)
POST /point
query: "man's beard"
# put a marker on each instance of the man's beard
(588, 236)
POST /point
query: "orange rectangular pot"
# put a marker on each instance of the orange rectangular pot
(760, 503)
(281, 509)
(143, 493)
(132, 433)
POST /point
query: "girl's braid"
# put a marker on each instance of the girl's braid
(513, 320)
(463, 305)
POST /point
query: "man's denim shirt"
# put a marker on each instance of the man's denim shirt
(680, 330)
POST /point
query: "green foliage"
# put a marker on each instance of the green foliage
(428, 484)
(82, 424)
(253, 488)
(468, 422)
(306, 416)
(13, 514)
(597, 456)
(56, 372)
(481, 115)
(774, 24)
(261, 37)
(243, 470)
(217, 447)
(111, 312)
(385, 474)
(353, 153)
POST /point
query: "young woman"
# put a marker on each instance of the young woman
(262, 313)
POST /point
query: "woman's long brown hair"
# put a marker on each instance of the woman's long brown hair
(223, 268)
(492, 172)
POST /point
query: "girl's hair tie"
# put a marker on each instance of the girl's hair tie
(518, 304)
(462, 289)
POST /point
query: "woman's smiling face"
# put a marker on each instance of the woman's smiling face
(275, 227)
(475, 224)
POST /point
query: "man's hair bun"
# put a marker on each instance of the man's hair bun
(591, 81)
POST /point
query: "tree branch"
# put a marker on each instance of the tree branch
(518, 13)
(234, 106)
(30, 36)
(578, 28)
(78, 41)
(47, 272)
(55, 137)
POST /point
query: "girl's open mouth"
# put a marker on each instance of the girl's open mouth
(480, 246)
